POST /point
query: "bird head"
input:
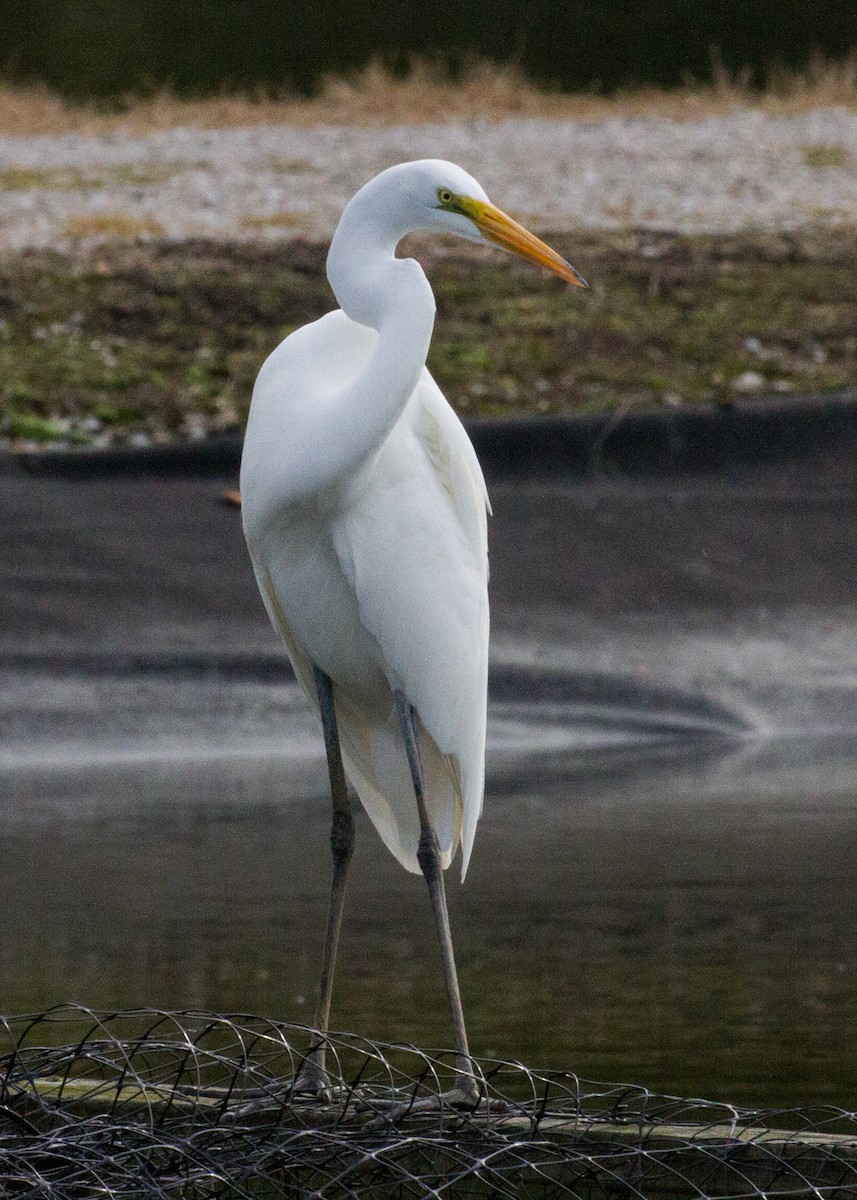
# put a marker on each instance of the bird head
(438, 195)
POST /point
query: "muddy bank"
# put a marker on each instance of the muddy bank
(151, 343)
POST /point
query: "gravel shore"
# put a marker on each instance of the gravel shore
(746, 170)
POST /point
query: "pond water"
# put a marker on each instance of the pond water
(662, 889)
(661, 911)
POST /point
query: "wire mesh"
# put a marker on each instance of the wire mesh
(190, 1104)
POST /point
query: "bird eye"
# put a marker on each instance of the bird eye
(445, 196)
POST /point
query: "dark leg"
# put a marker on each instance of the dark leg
(312, 1076)
(428, 855)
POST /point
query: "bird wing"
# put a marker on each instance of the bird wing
(412, 542)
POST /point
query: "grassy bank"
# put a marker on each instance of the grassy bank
(483, 91)
(154, 342)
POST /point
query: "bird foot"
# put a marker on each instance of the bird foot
(312, 1083)
(463, 1099)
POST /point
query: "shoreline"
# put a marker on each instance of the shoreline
(650, 443)
(153, 344)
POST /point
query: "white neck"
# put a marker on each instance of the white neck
(362, 266)
(391, 295)
(322, 438)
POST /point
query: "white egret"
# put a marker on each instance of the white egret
(364, 510)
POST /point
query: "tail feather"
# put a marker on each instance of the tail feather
(377, 765)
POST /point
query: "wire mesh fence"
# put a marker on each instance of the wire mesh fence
(190, 1104)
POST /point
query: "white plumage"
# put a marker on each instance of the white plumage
(379, 577)
(365, 515)
(364, 509)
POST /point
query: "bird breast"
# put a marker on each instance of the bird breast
(313, 605)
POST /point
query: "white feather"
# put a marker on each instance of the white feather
(364, 509)
(381, 579)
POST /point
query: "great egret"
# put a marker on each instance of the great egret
(364, 510)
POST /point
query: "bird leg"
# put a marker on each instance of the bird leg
(466, 1091)
(313, 1077)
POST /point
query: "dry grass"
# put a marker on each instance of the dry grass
(73, 179)
(282, 219)
(375, 97)
(112, 225)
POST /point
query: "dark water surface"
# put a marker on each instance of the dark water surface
(644, 918)
(662, 889)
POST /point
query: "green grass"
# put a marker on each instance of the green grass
(167, 339)
(821, 156)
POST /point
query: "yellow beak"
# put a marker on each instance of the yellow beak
(495, 226)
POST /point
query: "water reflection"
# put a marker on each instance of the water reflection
(683, 919)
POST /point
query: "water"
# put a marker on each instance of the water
(678, 914)
(662, 889)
